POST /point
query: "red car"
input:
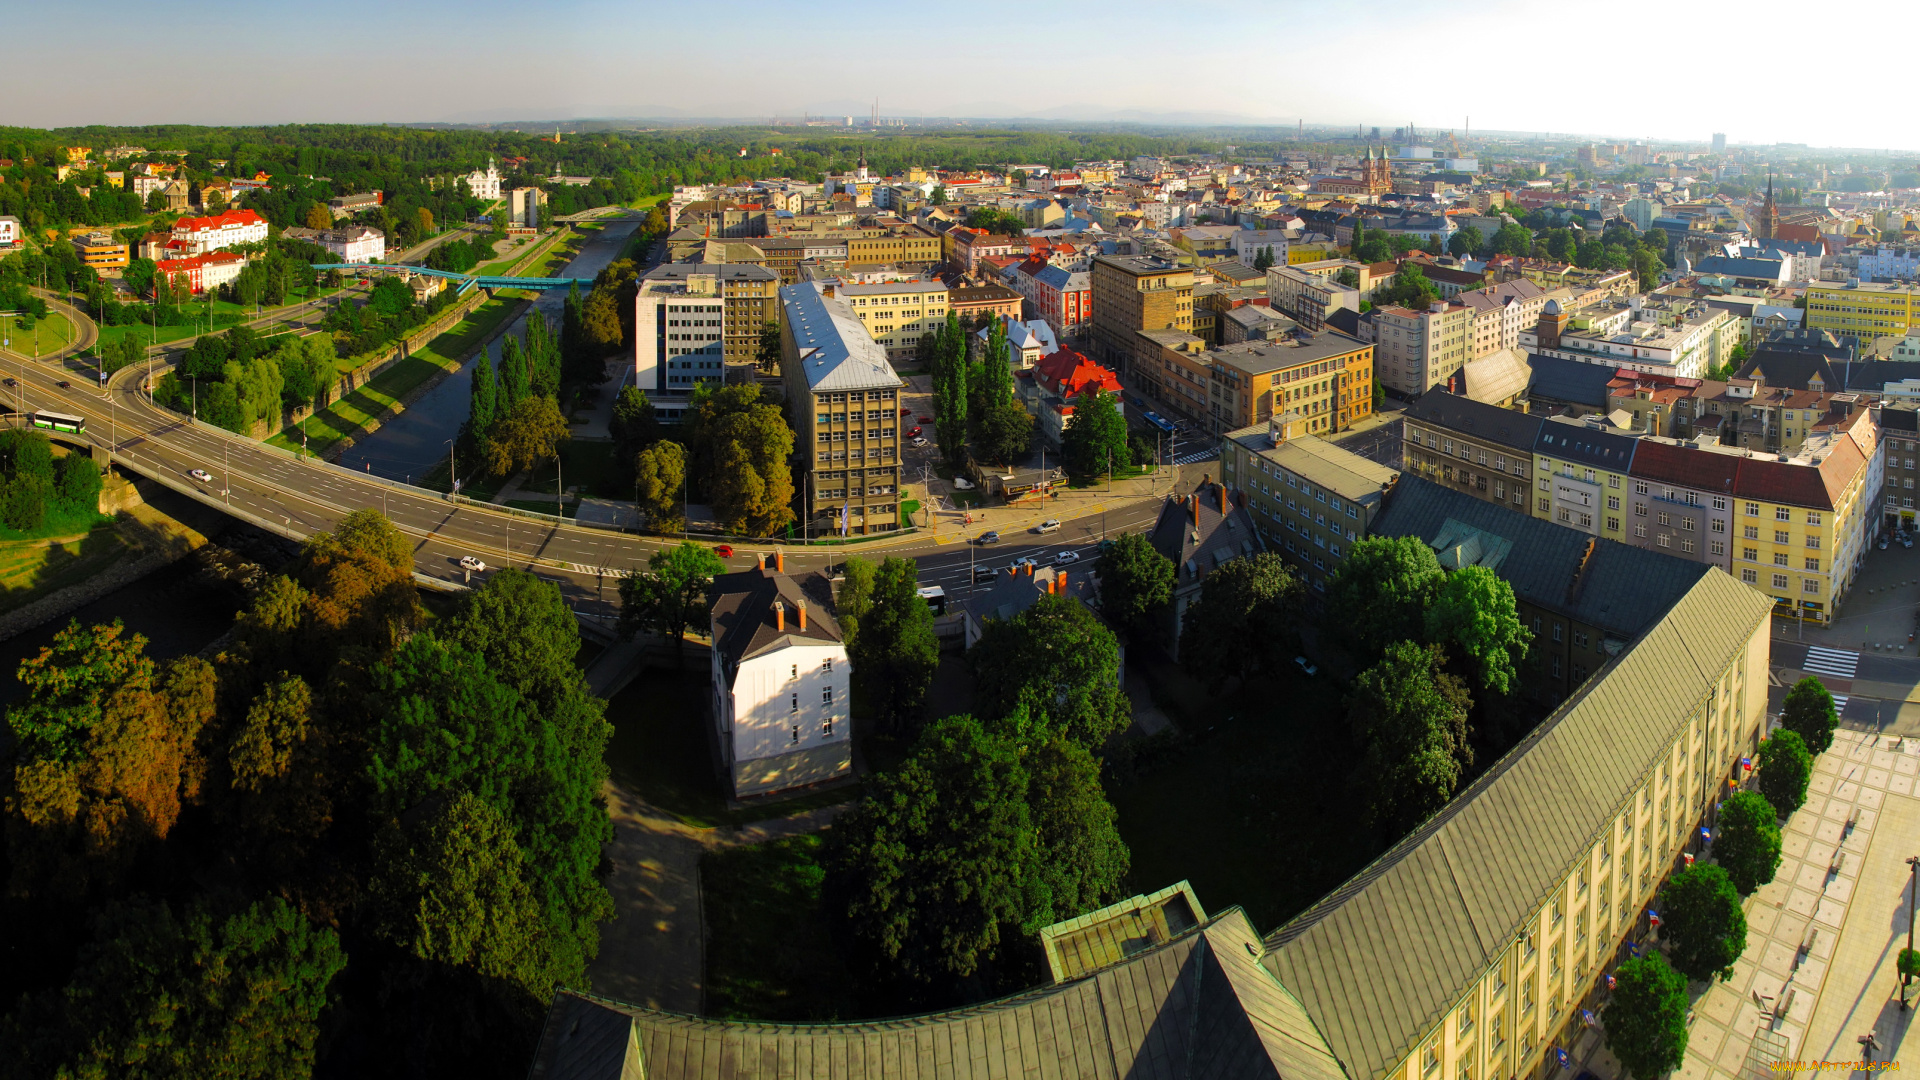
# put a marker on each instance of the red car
(906, 412)
(924, 419)
(914, 433)
(725, 551)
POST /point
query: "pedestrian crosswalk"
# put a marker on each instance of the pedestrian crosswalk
(1838, 663)
(1197, 455)
(1839, 704)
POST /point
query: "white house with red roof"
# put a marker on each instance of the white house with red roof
(1053, 386)
(199, 235)
(204, 272)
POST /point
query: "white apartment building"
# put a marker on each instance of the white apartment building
(1308, 298)
(1249, 243)
(199, 235)
(782, 685)
(9, 230)
(1682, 339)
(1414, 351)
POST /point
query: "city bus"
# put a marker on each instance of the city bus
(61, 422)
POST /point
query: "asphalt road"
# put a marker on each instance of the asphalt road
(302, 496)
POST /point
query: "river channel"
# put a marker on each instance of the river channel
(416, 440)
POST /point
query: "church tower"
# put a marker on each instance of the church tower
(1769, 224)
(860, 172)
(1377, 174)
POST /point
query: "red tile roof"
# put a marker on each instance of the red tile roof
(218, 221)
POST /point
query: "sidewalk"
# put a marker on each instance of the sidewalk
(1820, 941)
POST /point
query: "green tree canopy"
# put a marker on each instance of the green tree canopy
(936, 859)
(1747, 842)
(894, 652)
(1646, 1020)
(1703, 923)
(660, 484)
(1382, 591)
(196, 996)
(1474, 617)
(1808, 712)
(1096, 440)
(670, 597)
(531, 431)
(1136, 583)
(1785, 770)
(1054, 665)
(1245, 619)
(1083, 861)
(1411, 717)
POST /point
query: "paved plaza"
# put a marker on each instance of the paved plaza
(1822, 937)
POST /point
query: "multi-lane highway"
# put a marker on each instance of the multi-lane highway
(299, 496)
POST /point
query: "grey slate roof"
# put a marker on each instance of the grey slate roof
(836, 351)
(1476, 419)
(1213, 540)
(1575, 441)
(1381, 960)
(1575, 382)
(1619, 588)
(743, 619)
(1198, 1008)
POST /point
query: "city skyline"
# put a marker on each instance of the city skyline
(590, 59)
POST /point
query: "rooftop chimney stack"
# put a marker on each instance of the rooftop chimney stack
(1193, 505)
(1222, 489)
(802, 609)
(779, 617)
(780, 561)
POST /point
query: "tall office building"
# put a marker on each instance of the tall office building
(843, 399)
(1719, 142)
(693, 319)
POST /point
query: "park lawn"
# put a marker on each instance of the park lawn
(225, 315)
(51, 334)
(32, 569)
(770, 955)
(349, 414)
(1247, 807)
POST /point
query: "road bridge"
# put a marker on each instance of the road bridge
(467, 281)
(298, 496)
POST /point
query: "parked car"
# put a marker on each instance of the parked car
(991, 536)
(906, 412)
(725, 551)
(1062, 558)
(1047, 526)
(914, 433)
(924, 419)
(201, 475)
(917, 442)
(468, 562)
(963, 483)
(1304, 665)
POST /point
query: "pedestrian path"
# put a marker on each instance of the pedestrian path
(1197, 455)
(1812, 977)
(1838, 663)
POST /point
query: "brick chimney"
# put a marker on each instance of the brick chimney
(1222, 489)
(801, 608)
(779, 617)
(1193, 505)
(780, 561)
(1060, 582)
(1029, 567)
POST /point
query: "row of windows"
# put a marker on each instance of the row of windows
(1781, 582)
(854, 396)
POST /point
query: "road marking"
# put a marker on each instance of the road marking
(1839, 663)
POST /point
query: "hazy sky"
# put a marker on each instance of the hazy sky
(1629, 69)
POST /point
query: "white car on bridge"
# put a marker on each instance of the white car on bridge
(201, 475)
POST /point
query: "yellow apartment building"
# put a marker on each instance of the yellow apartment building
(899, 314)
